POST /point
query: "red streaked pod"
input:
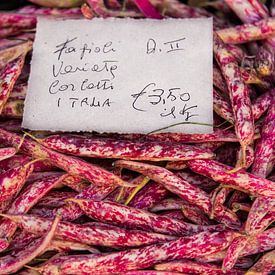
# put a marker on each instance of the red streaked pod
(182, 188)
(9, 31)
(14, 261)
(9, 54)
(249, 157)
(90, 234)
(238, 92)
(66, 246)
(264, 61)
(260, 8)
(260, 207)
(72, 211)
(148, 196)
(168, 204)
(233, 252)
(123, 149)
(4, 244)
(7, 152)
(222, 107)
(259, 30)
(266, 144)
(244, 10)
(36, 10)
(194, 215)
(149, 10)
(33, 193)
(55, 199)
(17, 20)
(13, 180)
(26, 200)
(122, 215)
(240, 180)
(265, 222)
(140, 258)
(8, 76)
(72, 165)
(194, 268)
(264, 265)
(262, 103)
(170, 181)
(261, 242)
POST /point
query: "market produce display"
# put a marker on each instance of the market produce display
(156, 203)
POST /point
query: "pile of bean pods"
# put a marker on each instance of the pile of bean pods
(161, 203)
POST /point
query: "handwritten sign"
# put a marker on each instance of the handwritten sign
(121, 75)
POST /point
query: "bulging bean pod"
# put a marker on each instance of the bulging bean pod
(141, 258)
(13, 262)
(90, 234)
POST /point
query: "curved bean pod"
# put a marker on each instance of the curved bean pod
(90, 234)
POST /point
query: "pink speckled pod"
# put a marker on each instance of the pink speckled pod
(148, 196)
(233, 252)
(55, 199)
(238, 91)
(123, 149)
(264, 266)
(266, 144)
(72, 165)
(17, 20)
(8, 76)
(244, 10)
(6, 153)
(170, 181)
(262, 103)
(121, 215)
(36, 10)
(187, 247)
(25, 200)
(13, 262)
(195, 268)
(249, 157)
(261, 242)
(182, 188)
(13, 180)
(260, 207)
(239, 180)
(90, 234)
(66, 246)
(248, 32)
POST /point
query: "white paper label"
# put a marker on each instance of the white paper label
(121, 75)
